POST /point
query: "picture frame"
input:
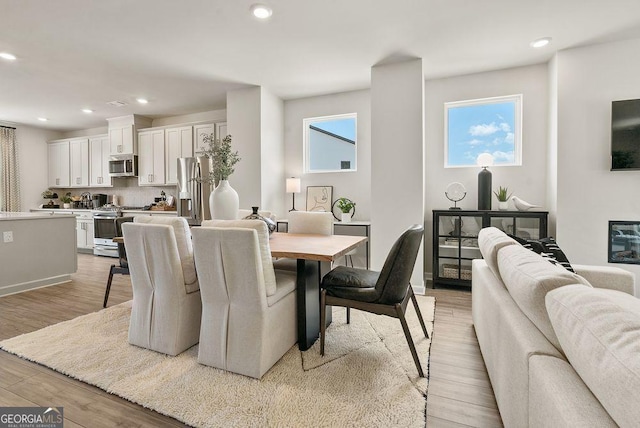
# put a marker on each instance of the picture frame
(319, 198)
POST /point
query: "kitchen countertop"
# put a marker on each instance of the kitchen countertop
(29, 216)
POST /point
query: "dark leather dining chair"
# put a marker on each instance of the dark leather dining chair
(384, 293)
(123, 266)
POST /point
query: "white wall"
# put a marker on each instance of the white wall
(272, 153)
(33, 163)
(526, 181)
(354, 185)
(397, 158)
(205, 116)
(589, 194)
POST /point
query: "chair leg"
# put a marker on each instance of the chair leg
(106, 293)
(323, 316)
(415, 305)
(348, 315)
(407, 334)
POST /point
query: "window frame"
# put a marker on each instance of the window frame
(517, 131)
(305, 139)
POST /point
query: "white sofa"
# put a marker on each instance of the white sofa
(561, 349)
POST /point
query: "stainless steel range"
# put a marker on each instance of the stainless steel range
(104, 229)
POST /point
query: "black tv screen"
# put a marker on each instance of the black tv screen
(625, 135)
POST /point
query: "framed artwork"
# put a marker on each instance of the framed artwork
(319, 198)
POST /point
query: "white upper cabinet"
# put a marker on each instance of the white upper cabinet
(79, 162)
(151, 158)
(221, 130)
(58, 162)
(178, 144)
(121, 140)
(199, 132)
(99, 152)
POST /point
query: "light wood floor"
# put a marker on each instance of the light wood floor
(459, 390)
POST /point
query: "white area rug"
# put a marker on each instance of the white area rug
(366, 378)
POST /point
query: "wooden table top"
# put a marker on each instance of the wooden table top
(324, 248)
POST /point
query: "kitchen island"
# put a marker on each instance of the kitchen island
(36, 250)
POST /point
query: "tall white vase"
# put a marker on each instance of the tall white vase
(223, 202)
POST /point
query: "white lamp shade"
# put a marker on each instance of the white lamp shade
(293, 185)
(484, 160)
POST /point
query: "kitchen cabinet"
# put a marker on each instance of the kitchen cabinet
(221, 130)
(79, 162)
(84, 231)
(178, 144)
(455, 239)
(58, 163)
(122, 140)
(199, 132)
(99, 152)
(151, 158)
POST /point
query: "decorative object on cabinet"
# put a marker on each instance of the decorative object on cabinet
(455, 193)
(293, 187)
(223, 201)
(319, 198)
(484, 181)
(66, 200)
(347, 209)
(455, 239)
(49, 194)
(503, 196)
(271, 225)
(522, 205)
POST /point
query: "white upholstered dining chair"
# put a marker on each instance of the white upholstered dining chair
(249, 310)
(166, 310)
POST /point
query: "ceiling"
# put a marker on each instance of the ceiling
(183, 56)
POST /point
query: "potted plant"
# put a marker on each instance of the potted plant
(503, 196)
(346, 205)
(66, 200)
(223, 201)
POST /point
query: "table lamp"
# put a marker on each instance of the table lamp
(484, 181)
(293, 187)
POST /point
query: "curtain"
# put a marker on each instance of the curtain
(9, 180)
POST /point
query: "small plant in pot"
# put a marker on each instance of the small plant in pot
(346, 205)
(503, 196)
(66, 200)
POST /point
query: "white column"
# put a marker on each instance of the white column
(397, 158)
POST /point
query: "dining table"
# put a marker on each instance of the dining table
(315, 255)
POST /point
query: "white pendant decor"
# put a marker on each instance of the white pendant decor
(223, 202)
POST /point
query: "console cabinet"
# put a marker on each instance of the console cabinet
(455, 239)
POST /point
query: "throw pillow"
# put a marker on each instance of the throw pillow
(547, 248)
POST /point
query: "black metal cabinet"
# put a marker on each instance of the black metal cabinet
(455, 239)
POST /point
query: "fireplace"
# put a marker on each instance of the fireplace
(624, 242)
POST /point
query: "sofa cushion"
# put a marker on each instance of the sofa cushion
(183, 240)
(490, 240)
(263, 240)
(600, 333)
(529, 277)
(548, 248)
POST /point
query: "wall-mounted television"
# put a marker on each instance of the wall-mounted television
(625, 135)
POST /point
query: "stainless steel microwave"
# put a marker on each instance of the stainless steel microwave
(123, 166)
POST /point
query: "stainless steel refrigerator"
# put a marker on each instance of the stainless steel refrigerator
(193, 192)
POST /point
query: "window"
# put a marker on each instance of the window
(330, 143)
(489, 125)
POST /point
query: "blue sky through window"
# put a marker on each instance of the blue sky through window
(481, 128)
(343, 127)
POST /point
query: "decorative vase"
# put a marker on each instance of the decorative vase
(223, 202)
(346, 217)
(66, 206)
(271, 225)
(503, 205)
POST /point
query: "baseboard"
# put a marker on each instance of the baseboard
(32, 285)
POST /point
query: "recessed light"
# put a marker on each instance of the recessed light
(540, 42)
(142, 101)
(261, 11)
(8, 56)
(87, 110)
(42, 119)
